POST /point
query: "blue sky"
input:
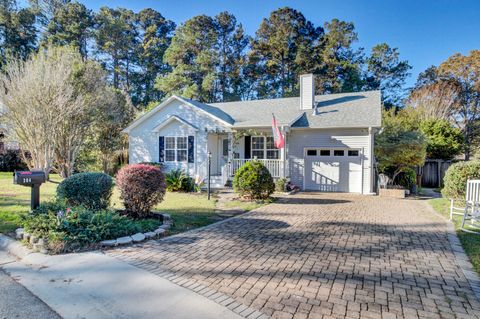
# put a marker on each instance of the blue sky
(426, 32)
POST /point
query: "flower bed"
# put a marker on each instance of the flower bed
(57, 228)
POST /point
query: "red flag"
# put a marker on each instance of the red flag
(277, 135)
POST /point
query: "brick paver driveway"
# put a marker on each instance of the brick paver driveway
(323, 255)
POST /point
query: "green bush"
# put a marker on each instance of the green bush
(69, 229)
(407, 178)
(253, 180)
(92, 190)
(455, 180)
(280, 184)
(179, 181)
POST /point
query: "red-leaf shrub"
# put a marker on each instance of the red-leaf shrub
(141, 187)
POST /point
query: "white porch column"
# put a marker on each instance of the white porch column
(283, 152)
(230, 154)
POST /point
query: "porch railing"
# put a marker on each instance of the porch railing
(274, 166)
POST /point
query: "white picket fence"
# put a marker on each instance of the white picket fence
(274, 166)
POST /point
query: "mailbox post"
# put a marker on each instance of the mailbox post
(33, 179)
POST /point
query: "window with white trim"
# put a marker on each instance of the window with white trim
(263, 147)
(176, 149)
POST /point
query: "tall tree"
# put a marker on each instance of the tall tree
(155, 36)
(117, 41)
(193, 59)
(388, 73)
(464, 72)
(18, 33)
(113, 114)
(284, 46)
(339, 65)
(231, 50)
(71, 24)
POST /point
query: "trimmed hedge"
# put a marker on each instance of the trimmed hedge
(91, 190)
(141, 187)
(455, 180)
(253, 180)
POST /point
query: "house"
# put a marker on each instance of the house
(329, 138)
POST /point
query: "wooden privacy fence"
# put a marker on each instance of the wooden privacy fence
(433, 172)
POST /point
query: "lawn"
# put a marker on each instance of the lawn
(470, 242)
(187, 210)
(15, 199)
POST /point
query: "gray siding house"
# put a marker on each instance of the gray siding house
(329, 138)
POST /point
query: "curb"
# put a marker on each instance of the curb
(13, 247)
(461, 257)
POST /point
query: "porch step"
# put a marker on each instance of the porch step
(216, 181)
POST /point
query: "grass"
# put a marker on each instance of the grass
(15, 200)
(470, 242)
(187, 210)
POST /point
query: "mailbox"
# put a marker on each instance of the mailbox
(33, 179)
(28, 178)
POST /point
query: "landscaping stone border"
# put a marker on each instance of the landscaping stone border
(460, 256)
(38, 244)
(161, 231)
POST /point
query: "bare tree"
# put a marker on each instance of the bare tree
(437, 100)
(37, 94)
(50, 101)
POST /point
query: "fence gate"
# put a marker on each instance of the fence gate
(433, 172)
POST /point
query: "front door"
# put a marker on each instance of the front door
(222, 152)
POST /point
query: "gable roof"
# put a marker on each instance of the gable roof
(207, 109)
(359, 109)
(343, 110)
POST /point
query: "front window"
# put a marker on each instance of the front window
(176, 149)
(263, 147)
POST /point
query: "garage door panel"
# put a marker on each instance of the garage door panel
(333, 173)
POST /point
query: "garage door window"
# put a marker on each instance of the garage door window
(324, 152)
(338, 153)
(353, 153)
(311, 152)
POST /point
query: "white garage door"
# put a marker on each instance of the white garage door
(333, 170)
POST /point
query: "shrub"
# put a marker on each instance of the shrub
(254, 181)
(92, 190)
(407, 178)
(455, 180)
(69, 229)
(280, 184)
(159, 165)
(141, 187)
(11, 160)
(177, 180)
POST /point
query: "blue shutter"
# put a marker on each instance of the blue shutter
(191, 149)
(161, 149)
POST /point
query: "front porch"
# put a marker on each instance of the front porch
(229, 153)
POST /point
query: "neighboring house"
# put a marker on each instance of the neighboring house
(5, 144)
(329, 138)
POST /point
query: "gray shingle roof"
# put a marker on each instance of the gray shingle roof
(360, 109)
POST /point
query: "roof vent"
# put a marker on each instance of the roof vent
(307, 91)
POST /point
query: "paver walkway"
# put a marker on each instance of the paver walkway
(323, 255)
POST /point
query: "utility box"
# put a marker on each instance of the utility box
(33, 179)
